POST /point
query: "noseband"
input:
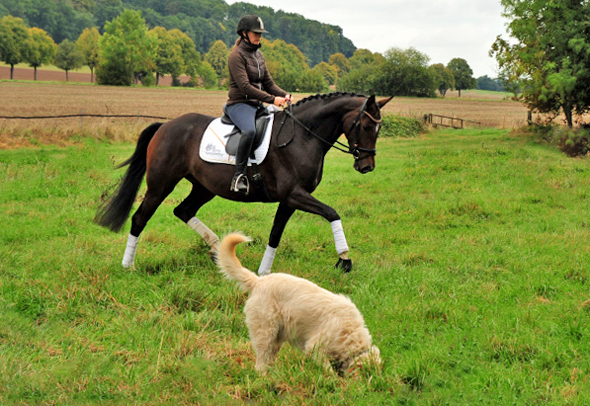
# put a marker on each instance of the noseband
(353, 149)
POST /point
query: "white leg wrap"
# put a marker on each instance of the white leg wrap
(129, 257)
(339, 238)
(267, 260)
(209, 236)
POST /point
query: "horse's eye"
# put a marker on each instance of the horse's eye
(366, 127)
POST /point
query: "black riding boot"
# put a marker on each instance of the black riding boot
(240, 183)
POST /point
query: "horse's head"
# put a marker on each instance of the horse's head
(362, 127)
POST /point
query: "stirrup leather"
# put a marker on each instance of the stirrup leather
(240, 184)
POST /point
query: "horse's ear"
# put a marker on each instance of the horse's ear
(383, 102)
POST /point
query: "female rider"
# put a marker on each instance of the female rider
(248, 76)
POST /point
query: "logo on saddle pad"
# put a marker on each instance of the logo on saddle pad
(218, 147)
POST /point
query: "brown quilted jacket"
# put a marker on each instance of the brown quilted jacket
(249, 80)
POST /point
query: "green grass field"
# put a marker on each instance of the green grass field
(471, 252)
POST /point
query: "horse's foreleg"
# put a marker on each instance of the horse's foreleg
(301, 200)
(282, 216)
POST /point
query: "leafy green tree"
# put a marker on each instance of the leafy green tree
(286, 64)
(3, 11)
(217, 57)
(87, 45)
(487, 83)
(405, 73)
(14, 41)
(68, 57)
(550, 55)
(364, 57)
(190, 57)
(363, 80)
(510, 83)
(169, 59)
(463, 74)
(313, 81)
(340, 63)
(125, 50)
(107, 10)
(41, 48)
(207, 74)
(443, 78)
(365, 74)
(329, 72)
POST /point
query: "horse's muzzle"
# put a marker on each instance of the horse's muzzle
(364, 167)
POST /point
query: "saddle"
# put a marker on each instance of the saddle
(233, 138)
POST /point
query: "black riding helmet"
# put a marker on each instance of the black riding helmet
(250, 23)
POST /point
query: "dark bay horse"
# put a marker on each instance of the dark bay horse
(167, 153)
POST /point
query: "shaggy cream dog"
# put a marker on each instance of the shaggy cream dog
(283, 308)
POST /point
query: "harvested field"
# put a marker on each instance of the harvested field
(28, 98)
(56, 75)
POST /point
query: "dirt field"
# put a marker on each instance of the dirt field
(28, 98)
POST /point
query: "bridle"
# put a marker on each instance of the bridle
(352, 149)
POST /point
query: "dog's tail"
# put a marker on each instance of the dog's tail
(230, 265)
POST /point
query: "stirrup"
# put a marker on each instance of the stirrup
(240, 184)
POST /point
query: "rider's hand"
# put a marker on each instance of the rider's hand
(281, 101)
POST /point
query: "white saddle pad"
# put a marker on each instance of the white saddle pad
(213, 143)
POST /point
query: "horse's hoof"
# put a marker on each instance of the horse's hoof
(344, 264)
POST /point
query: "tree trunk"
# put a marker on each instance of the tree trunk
(67, 79)
(567, 110)
(157, 78)
(11, 71)
(91, 74)
(35, 73)
(459, 92)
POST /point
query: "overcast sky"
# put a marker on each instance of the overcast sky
(441, 29)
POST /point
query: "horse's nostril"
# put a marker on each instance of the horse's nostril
(366, 169)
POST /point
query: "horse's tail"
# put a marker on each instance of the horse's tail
(230, 265)
(113, 213)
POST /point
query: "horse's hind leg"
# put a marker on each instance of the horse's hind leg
(154, 196)
(187, 210)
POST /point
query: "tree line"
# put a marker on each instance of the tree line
(128, 52)
(203, 21)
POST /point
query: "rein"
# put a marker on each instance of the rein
(353, 150)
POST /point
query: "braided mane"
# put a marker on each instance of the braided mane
(321, 96)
